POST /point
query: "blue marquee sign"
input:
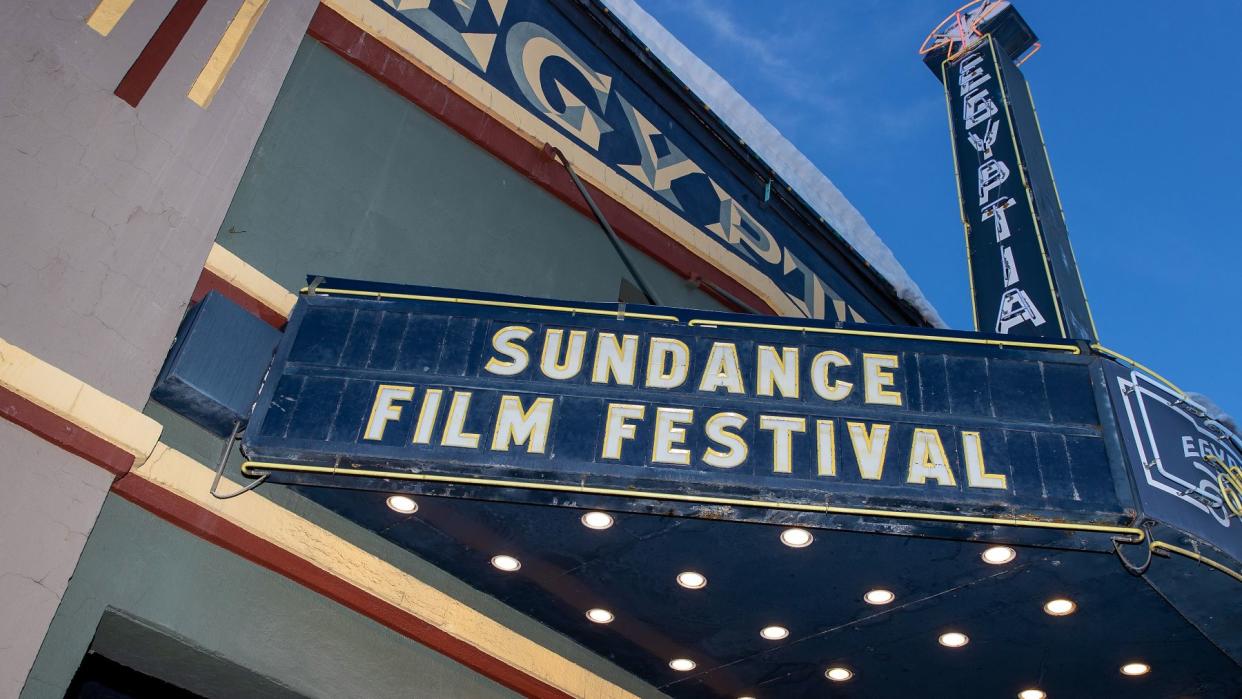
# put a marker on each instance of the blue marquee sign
(410, 385)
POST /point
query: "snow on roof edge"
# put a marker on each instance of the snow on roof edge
(1214, 411)
(782, 156)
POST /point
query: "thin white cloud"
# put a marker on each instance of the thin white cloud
(725, 29)
(797, 96)
(804, 95)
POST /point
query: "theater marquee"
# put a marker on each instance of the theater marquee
(385, 387)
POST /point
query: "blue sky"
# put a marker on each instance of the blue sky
(1144, 135)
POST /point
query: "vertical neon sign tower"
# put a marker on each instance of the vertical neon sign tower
(1024, 279)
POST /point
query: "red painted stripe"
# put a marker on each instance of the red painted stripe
(223, 533)
(411, 82)
(64, 433)
(158, 50)
(210, 281)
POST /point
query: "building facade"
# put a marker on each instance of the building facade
(156, 151)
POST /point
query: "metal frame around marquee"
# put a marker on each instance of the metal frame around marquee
(1136, 534)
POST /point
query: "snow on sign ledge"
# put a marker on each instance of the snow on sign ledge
(768, 143)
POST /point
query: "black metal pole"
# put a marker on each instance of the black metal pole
(603, 223)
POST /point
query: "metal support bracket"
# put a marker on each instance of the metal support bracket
(1139, 570)
(224, 459)
(556, 154)
(310, 289)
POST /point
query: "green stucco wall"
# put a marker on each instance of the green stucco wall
(350, 179)
(231, 608)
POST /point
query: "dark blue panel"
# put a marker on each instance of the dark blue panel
(1018, 391)
(841, 415)
(346, 426)
(816, 593)
(969, 387)
(318, 400)
(323, 337)
(417, 354)
(1068, 404)
(280, 412)
(218, 359)
(360, 339)
(386, 346)
(1180, 459)
(1027, 475)
(1053, 458)
(933, 383)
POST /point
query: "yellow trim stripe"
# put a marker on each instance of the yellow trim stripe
(106, 15)
(183, 476)
(1072, 349)
(1117, 355)
(701, 322)
(486, 302)
(226, 52)
(249, 280)
(75, 401)
(1162, 546)
(1139, 535)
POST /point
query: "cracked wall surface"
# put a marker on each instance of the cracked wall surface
(49, 500)
(110, 211)
(107, 214)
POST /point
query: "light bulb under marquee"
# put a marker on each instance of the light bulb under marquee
(692, 580)
(1135, 669)
(682, 664)
(774, 633)
(879, 596)
(1032, 694)
(1059, 607)
(506, 563)
(838, 674)
(403, 504)
(600, 616)
(597, 520)
(796, 537)
(998, 555)
(954, 639)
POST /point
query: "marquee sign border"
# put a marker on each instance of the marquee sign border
(1133, 534)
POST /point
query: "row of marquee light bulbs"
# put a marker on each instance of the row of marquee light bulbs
(794, 537)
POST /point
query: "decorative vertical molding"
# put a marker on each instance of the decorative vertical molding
(246, 286)
(158, 50)
(71, 414)
(106, 15)
(226, 52)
